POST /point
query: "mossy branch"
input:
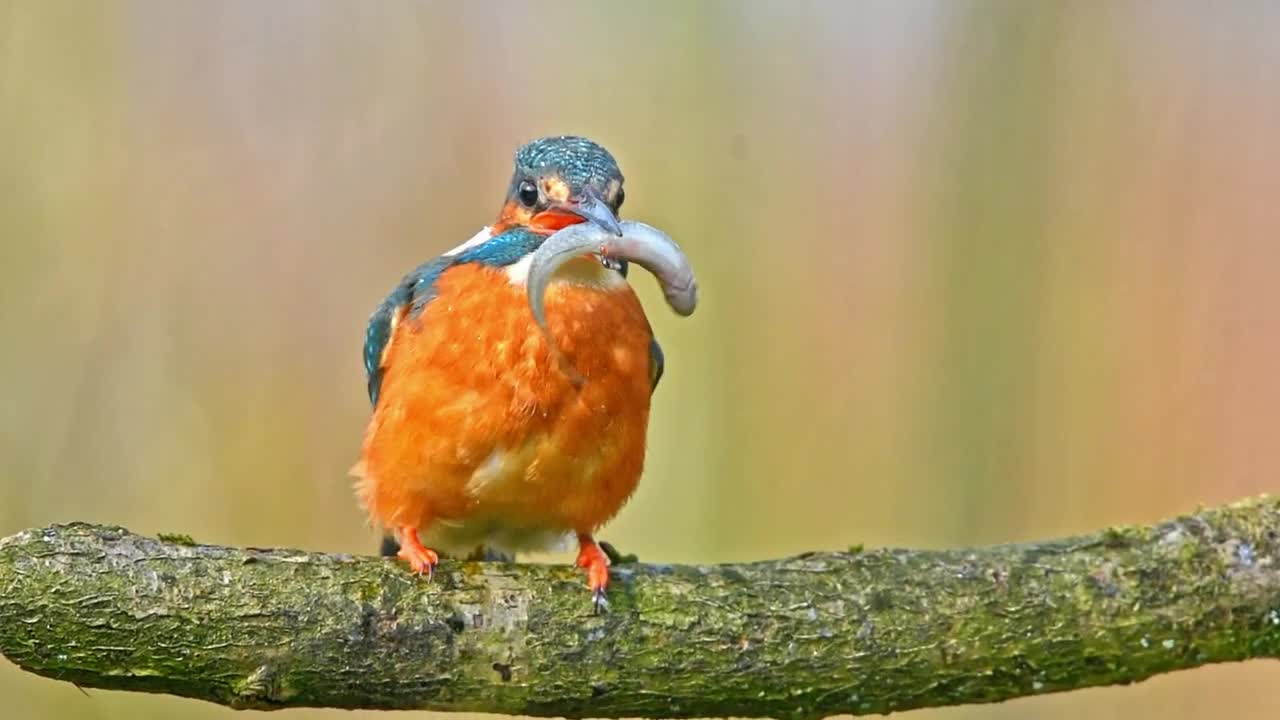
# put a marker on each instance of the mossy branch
(809, 636)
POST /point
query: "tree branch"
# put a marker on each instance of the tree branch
(819, 634)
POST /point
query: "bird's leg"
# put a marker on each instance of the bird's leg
(592, 559)
(421, 559)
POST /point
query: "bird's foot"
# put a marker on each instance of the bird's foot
(592, 559)
(422, 560)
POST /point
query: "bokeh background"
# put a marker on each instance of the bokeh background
(972, 272)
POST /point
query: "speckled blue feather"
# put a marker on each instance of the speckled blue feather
(577, 160)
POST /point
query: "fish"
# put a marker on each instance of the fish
(636, 242)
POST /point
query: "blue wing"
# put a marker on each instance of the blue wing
(657, 364)
(412, 294)
(419, 288)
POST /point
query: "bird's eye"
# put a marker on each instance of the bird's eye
(622, 195)
(528, 194)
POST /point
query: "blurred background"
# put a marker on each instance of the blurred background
(972, 272)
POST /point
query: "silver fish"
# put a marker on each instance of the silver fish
(642, 244)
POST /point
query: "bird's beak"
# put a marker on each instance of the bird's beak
(589, 207)
(594, 209)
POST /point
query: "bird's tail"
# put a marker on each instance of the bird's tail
(389, 547)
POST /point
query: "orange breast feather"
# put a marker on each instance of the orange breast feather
(478, 437)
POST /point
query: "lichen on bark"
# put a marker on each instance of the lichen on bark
(860, 632)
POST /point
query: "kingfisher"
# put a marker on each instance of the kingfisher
(479, 441)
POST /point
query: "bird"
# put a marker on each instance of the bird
(479, 441)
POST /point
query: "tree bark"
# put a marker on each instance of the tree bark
(819, 634)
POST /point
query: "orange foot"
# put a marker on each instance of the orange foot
(421, 559)
(593, 559)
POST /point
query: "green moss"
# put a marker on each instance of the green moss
(808, 636)
(1122, 536)
(1189, 550)
(177, 539)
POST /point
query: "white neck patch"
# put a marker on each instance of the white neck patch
(479, 238)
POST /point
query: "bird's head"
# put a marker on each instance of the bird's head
(561, 181)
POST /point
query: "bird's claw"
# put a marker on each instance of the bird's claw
(424, 564)
(592, 559)
(599, 601)
(422, 560)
